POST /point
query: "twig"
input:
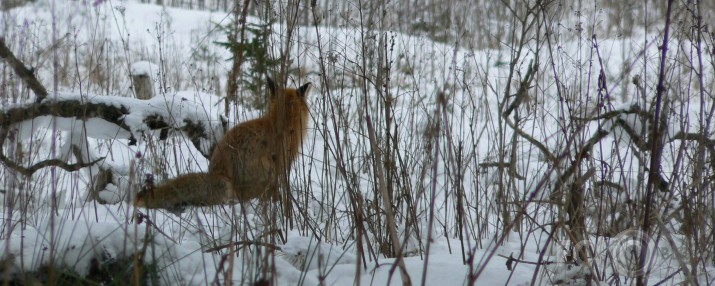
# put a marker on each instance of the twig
(511, 259)
(386, 198)
(656, 146)
(142, 217)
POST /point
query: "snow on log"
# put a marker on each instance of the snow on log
(111, 117)
(142, 74)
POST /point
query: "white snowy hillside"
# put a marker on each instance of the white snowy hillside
(479, 143)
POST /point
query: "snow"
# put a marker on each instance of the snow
(77, 242)
(176, 109)
(306, 254)
(83, 231)
(144, 68)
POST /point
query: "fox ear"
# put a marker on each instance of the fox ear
(303, 90)
(271, 85)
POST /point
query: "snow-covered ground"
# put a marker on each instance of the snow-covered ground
(176, 47)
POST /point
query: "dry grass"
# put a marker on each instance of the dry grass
(501, 133)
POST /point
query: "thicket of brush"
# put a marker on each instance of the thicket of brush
(530, 143)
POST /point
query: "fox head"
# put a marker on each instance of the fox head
(288, 115)
(288, 103)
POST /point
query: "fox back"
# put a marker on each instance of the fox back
(253, 154)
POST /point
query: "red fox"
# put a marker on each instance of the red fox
(247, 162)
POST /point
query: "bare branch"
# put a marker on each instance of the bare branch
(28, 171)
(532, 140)
(244, 243)
(634, 109)
(22, 71)
(523, 93)
(582, 154)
